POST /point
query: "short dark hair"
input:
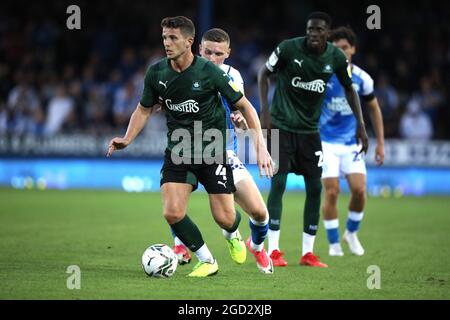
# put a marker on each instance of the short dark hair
(216, 35)
(343, 33)
(185, 25)
(321, 16)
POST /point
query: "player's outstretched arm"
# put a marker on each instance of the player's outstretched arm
(377, 121)
(355, 105)
(263, 88)
(137, 122)
(250, 115)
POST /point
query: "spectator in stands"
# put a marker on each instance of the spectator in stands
(59, 110)
(96, 111)
(3, 118)
(112, 85)
(414, 123)
(26, 116)
(429, 98)
(128, 64)
(125, 102)
(108, 52)
(388, 99)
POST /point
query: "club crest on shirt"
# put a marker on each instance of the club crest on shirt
(196, 86)
(327, 69)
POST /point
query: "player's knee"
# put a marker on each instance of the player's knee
(332, 193)
(359, 192)
(226, 219)
(313, 188)
(225, 224)
(173, 215)
(259, 214)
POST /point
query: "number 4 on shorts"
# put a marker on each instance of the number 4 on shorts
(221, 170)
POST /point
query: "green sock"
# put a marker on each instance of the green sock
(187, 231)
(274, 202)
(235, 225)
(311, 214)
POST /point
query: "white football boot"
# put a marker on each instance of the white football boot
(352, 240)
(335, 250)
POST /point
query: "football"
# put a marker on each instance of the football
(159, 261)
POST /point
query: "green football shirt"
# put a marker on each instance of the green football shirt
(301, 83)
(191, 100)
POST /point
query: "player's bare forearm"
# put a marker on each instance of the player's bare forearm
(250, 115)
(355, 105)
(263, 88)
(138, 120)
(264, 160)
(376, 118)
(377, 121)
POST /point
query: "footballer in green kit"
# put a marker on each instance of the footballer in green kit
(303, 66)
(215, 47)
(189, 96)
(191, 88)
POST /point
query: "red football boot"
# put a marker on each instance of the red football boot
(277, 258)
(311, 260)
(263, 261)
(182, 253)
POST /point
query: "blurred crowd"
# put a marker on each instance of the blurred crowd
(56, 80)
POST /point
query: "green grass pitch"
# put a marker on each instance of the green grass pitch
(106, 232)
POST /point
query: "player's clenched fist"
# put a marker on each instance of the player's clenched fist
(238, 120)
(117, 144)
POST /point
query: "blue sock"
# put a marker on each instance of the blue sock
(354, 220)
(333, 235)
(332, 227)
(259, 230)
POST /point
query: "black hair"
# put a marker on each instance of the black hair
(321, 16)
(185, 25)
(343, 33)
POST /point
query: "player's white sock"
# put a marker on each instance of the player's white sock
(308, 243)
(178, 241)
(274, 238)
(203, 254)
(230, 235)
(256, 247)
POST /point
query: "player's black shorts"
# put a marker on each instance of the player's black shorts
(300, 153)
(216, 178)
